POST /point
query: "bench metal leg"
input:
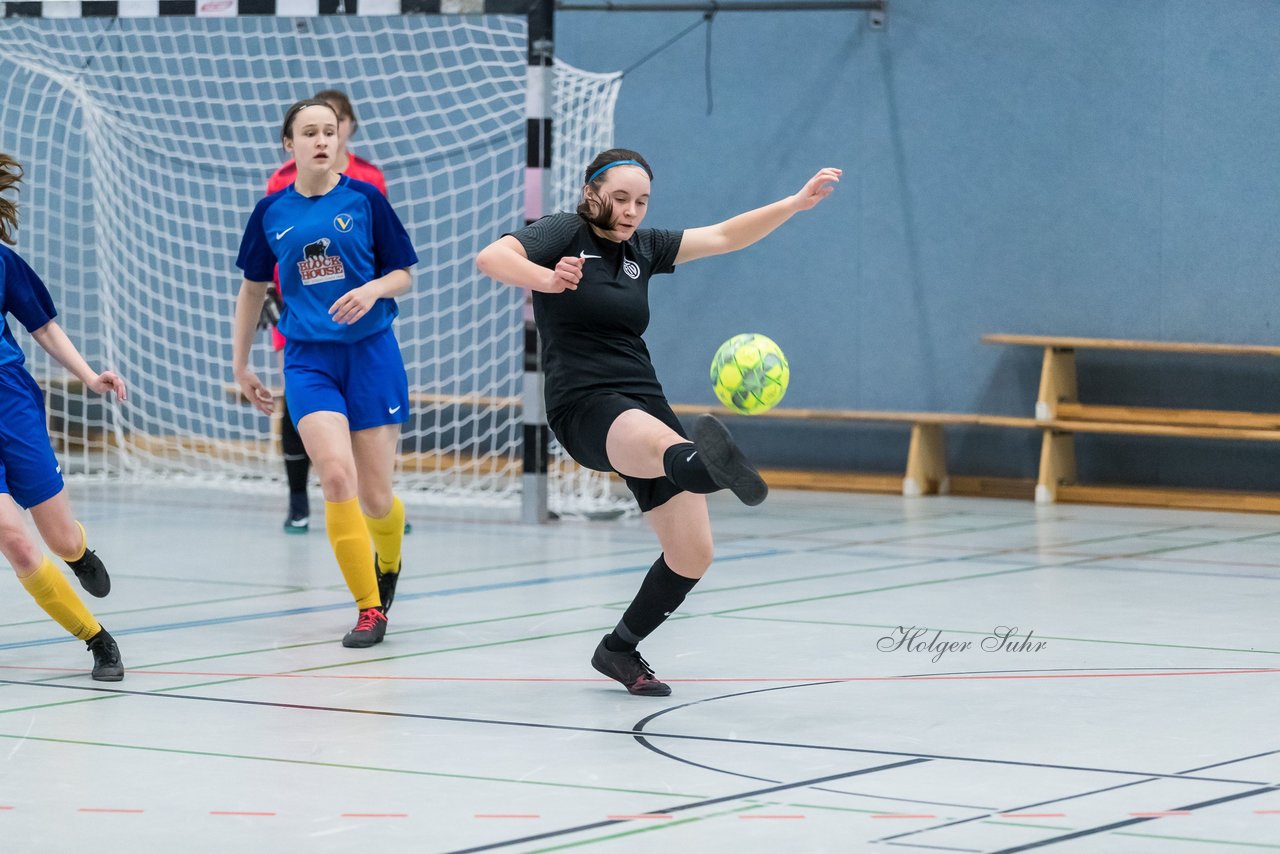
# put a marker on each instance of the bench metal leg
(1057, 465)
(1057, 382)
(926, 461)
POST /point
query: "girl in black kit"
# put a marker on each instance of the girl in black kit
(590, 272)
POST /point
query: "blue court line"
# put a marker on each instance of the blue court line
(312, 609)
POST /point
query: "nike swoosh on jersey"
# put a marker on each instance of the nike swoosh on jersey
(394, 411)
(584, 256)
(689, 458)
(280, 234)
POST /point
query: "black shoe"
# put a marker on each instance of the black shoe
(299, 519)
(728, 467)
(629, 669)
(386, 584)
(107, 666)
(369, 629)
(92, 574)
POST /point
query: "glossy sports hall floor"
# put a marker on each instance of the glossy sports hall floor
(1140, 716)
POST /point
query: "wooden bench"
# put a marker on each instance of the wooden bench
(926, 472)
(926, 468)
(1061, 415)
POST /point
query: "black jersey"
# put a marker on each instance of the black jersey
(591, 337)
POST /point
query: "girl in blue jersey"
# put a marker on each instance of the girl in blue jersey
(343, 257)
(590, 273)
(30, 477)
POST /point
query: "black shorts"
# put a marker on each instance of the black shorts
(583, 425)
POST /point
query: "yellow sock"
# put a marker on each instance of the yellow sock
(84, 546)
(52, 592)
(354, 550)
(388, 535)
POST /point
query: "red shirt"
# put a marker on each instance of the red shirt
(358, 168)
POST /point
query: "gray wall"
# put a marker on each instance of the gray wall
(1085, 168)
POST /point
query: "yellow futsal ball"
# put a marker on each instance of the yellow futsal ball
(749, 373)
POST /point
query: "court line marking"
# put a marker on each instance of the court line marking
(1105, 828)
(916, 756)
(738, 796)
(342, 766)
(347, 605)
(988, 633)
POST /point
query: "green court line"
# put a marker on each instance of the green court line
(166, 606)
(1196, 839)
(1026, 824)
(839, 809)
(344, 766)
(987, 633)
(658, 824)
(830, 596)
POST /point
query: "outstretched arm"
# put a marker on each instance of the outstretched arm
(506, 260)
(745, 229)
(248, 309)
(56, 343)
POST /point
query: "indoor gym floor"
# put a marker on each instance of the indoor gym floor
(1140, 716)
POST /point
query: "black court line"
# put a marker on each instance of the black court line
(644, 742)
(596, 825)
(995, 813)
(1130, 822)
(628, 732)
(934, 847)
(1059, 800)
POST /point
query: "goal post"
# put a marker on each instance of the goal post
(148, 130)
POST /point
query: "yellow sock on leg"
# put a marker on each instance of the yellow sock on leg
(388, 536)
(54, 594)
(84, 546)
(354, 550)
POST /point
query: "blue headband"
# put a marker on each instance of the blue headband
(596, 174)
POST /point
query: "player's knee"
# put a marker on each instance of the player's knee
(338, 481)
(66, 540)
(376, 503)
(692, 558)
(18, 549)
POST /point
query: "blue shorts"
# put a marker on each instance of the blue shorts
(28, 469)
(363, 380)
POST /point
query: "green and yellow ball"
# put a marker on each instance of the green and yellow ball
(749, 374)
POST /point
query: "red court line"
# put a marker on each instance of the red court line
(1033, 815)
(233, 812)
(97, 809)
(6, 808)
(1159, 813)
(634, 817)
(375, 815)
(506, 815)
(770, 816)
(708, 679)
(1258, 812)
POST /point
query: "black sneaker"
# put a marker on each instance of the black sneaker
(723, 459)
(386, 584)
(629, 669)
(369, 629)
(107, 666)
(92, 574)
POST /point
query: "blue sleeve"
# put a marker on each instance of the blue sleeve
(256, 258)
(25, 296)
(392, 249)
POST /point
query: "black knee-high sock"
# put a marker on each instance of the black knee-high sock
(684, 468)
(660, 594)
(296, 462)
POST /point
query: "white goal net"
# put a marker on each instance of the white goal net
(146, 143)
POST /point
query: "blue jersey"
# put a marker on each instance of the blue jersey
(325, 246)
(23, 295)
